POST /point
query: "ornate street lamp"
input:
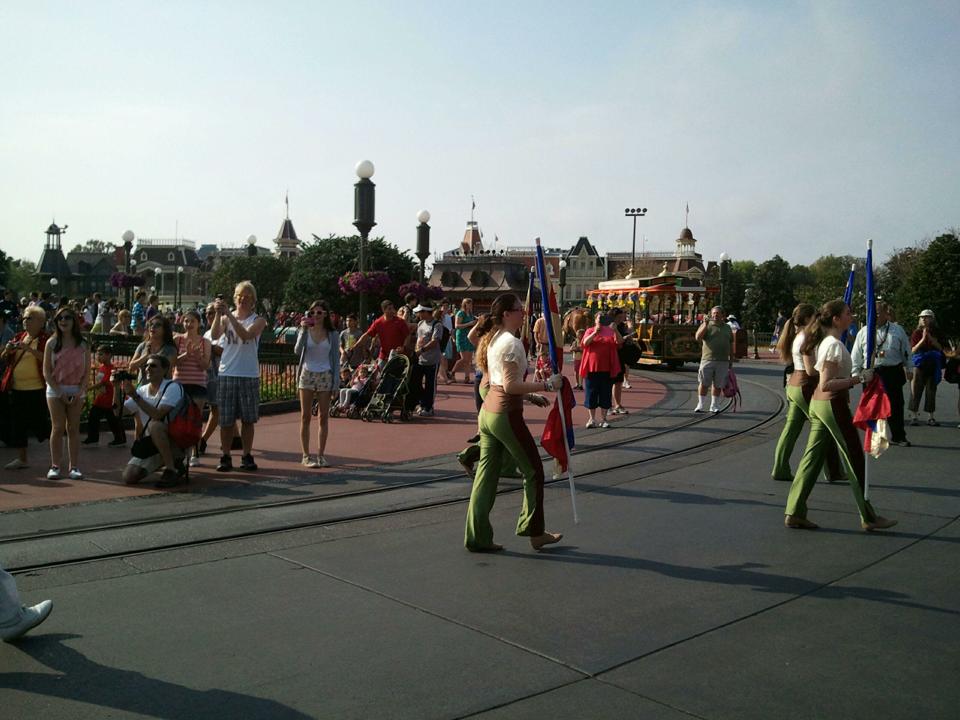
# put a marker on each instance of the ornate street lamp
(364, 200)
(423, 241)
(724, 269)
(128, 238)
(252, 246)
(634, 213)
(179, 292)
(563, 281)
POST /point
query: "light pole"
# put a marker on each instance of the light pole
(423, 241)
(179, 291)
(563, 281)
(634, 213)
(724, 268)
(252, 246)
(127, 237)
(364, 212)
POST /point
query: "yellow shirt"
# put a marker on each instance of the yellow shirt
(26, 374)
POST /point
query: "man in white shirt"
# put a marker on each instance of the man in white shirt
(891, 360)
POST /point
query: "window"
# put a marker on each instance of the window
(143, 257)
(170, 257)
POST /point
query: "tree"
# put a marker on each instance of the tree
(892, 276)
(934, 283)
(739, 275)
(94, 246)
(4, 268)
(316, 271)
(268, 274)
(771, 293)
(22, 277)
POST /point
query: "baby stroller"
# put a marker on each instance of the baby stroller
(362, 382)
(391, 391)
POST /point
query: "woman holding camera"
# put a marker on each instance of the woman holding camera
(66, 368)
(24, 380)
(318, 347)
(193, 360)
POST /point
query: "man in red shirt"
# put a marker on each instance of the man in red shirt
(390, 329)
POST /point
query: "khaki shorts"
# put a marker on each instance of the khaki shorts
(316, 381)
(713, 372)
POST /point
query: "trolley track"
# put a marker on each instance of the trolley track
(330, 498)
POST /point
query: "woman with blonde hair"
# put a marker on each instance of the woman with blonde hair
(501, 356)
(24, 380)
(830, 419)
(66, 368)
(463, 321)
(122, 326)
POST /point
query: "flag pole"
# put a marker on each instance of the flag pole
(548, 320)
(871, 339)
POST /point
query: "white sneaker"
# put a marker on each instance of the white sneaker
(698, 408)
(322, 461)
(15, 464)
(627, 386)
(194, 461)
(604, 424)
(309, 462)
(590, 424)
(53, 473)
(75, 474)
(30, 617)
(714, 408)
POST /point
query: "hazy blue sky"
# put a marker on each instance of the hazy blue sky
(798, 128)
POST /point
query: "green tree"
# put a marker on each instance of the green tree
(324, 261)
(934, 283)
(4, 268)
(268, 274)
(771, 292)
(738, 276)
(94, 246)
(891, 277)
(22, 277)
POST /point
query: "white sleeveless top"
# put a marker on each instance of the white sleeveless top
(795, 349)
(239, 358)
(504, 348)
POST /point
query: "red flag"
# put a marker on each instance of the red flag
(552, 438)
(871, 417)
(556, 325)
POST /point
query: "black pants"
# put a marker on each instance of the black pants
(423, 380)
(893, 379)
(113, 422)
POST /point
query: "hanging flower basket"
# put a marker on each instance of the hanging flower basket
(422, 291)
(372, 283)
(123, 280)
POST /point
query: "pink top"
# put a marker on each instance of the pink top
(188, 370)
(601, 354)
(68, 365)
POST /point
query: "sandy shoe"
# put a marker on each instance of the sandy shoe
(879, 523)
(546, 539)
(798, 523)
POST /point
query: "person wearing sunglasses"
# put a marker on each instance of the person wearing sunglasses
(159, 339)
(23, 381)
(318, 377)
(502, 357)
(66, 367)
(152, 403)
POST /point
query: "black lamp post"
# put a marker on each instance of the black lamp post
(634, 213)
(179, 287)
(724, 269)
(364, 198)
(128, 237)
(423, 241)
(563, 281)
(252, 246)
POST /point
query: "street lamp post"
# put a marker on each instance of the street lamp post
(128, 237)
(179, 286)
(364, 212)
(724, 268)
(423, 241)
(252, 246)
(563, 281)
(634, 213)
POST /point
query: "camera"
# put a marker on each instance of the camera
(123, 376)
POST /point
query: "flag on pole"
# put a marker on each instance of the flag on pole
(563, 404)
(526, 332)
(848, 299)
(871, 417)
(555, 324)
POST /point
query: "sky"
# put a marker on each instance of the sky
(791, 128)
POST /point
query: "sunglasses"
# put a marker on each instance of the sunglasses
(65, 317)
(153, 366)
(316, 312)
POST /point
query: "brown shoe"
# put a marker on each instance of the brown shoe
(546, 539)
(799, 523)
(879, 523)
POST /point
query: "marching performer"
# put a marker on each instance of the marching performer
(830, 419)
(502, 430)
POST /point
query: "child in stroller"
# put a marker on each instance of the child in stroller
(355, 392)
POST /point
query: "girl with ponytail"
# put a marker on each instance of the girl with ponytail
(503, 360)
(801, 382)
(830, 420)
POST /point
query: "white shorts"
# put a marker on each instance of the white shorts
(65, 391)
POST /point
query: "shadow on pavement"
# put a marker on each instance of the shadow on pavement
(81, 679)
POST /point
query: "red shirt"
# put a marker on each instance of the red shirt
(104, 398)
(601, 354)
(392, 333)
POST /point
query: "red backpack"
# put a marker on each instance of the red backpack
(732, 390)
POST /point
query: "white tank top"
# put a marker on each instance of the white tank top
(795, 348)
(239, 358)
(505, 348)
(317, 355)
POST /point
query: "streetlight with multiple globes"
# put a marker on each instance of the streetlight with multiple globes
(634, 213)
(252, 246)
(423, 241)
(179, 287)
(364, 212)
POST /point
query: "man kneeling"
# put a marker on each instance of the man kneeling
(152, 403)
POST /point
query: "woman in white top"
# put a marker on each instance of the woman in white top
(318, 347)
(830, 419)
(502, 430)
(801, 383)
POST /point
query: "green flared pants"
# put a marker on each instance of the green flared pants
(500, 434)
(830, 423)
(798, 412)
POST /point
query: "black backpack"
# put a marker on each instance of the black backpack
(444, 338)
